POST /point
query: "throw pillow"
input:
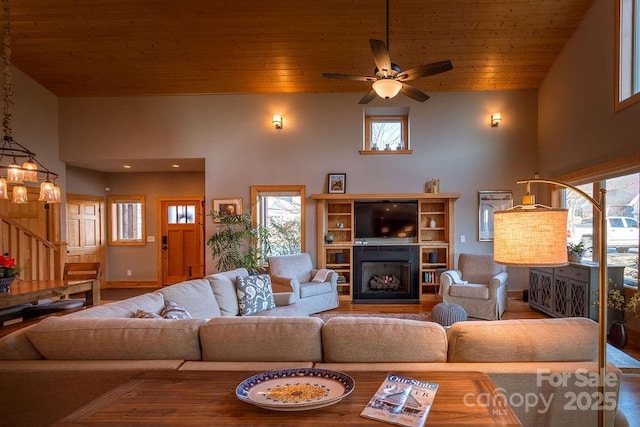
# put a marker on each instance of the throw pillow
(254, 294)
(141, 314)
(172, 310)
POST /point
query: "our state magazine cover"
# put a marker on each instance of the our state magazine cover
(402, 401)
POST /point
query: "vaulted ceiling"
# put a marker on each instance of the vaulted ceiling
(83, 48)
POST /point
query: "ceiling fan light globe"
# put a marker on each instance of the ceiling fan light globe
(387, 88)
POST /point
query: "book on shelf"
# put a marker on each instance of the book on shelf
(402, 401)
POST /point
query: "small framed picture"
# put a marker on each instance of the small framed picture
(337, 183)
(227, 207)
(488, 203)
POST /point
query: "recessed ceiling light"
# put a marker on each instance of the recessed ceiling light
(176, 166)
(126, 166)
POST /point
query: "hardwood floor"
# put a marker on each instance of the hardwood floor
(517, 309)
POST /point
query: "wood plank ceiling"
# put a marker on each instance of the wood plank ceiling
(85, 48)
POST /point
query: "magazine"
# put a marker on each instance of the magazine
(402, 401)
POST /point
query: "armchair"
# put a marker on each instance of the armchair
(294, 273)
(479, 286)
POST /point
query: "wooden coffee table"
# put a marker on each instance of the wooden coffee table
(206, 398)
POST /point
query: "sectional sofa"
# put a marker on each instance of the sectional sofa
(56, 366)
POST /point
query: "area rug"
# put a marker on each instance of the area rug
(622, 360)
(409, 316)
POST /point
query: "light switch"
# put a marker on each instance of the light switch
(151, 239)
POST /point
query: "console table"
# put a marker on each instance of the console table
(571, 291)
(205, 398)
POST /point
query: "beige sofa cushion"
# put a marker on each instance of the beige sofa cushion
(151, 302)
(67, 338)
(376, 339)
(16, 346)
(527, 340)
(195, 296)
(224, 289)
(265, 339)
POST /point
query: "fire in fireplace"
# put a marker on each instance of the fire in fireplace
(386, 273)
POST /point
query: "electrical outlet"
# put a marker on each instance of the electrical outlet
(128, 273)
(463, 238)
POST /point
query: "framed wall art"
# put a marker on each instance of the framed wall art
(227, 207)
(337, 183)
(488, 203)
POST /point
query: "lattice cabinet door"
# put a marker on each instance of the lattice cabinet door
(540, 289)
(578, 299)
(561, 297)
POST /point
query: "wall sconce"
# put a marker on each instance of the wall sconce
(496, 118)
(277, 121)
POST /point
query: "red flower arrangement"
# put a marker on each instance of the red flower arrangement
(8, 266)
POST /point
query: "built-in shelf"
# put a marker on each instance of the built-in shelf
(335, 214)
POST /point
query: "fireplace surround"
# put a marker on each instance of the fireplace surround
(386, 274)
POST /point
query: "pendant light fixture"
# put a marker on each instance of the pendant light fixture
(18, 164)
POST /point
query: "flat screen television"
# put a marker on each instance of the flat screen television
(386, 219)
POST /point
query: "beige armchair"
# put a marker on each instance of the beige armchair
(295, 273)
(479, 286)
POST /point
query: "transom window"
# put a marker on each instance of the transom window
(386, 134)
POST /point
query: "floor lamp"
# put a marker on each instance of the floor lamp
(535, 236)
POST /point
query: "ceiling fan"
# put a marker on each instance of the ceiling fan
(389, 78)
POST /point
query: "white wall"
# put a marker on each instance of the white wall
(450, 136)
(578, 127)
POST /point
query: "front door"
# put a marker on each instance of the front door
(182, 239)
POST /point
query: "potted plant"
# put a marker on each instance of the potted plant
(8, 272)
(630, 308)
(238, 242)
(575, 251)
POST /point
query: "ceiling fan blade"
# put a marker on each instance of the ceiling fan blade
(368, 97)
(414, 93)
(425, 70)
(348, 77)
(381, 56)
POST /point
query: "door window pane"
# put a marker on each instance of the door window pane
(181, 214)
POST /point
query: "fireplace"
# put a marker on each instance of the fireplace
(386, 274)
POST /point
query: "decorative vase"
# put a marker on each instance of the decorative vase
(432, 223)
(618, 335)
(5, 282)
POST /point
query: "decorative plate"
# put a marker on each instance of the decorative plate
(297, 389)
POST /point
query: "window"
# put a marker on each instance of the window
(386, 134)
(181, 214)
(628, 52)
(126, 220)
(623, 237)
(280, 208)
